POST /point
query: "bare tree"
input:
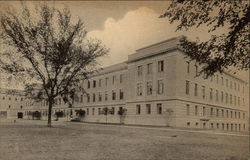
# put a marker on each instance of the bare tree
(48, 50)
(220, 51)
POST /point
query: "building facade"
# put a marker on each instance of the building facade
(158, 85)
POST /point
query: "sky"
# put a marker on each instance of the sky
(122, 26)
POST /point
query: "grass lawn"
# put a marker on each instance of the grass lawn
(32, 140)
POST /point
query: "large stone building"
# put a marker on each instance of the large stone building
(158, 85)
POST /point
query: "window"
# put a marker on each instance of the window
(222, 96)
(239, 115)
(226, 82)
(138, 109)
(100, 97)
(243, 115)
(139, 70)
(222, 81)
(211, 93)
(217, 112)
(121, 78)
(106, 81)
(231, 99)
(195, 89)
(87, 111)
(216, 95)
(238, 100)
(112, 111)
(113, 95)
(231, 85)
(159, 108)
(234, 85)
(227, 113)
(149, 68)
(160, 88)
(196, 70)
(93, 97)
(100, 82)
(234, 100)
(148, 108)
(203, 92)
(94, 83)
(188, 109)
(93, 111)
(231, 114)
(196, 110)
(99, 111)
(222, 113)
(139, 89)
(160, 66)
(106, 95)
(113, 80)
(88, 84)
(81, 99)
(149, 88)
(188, 67)
(226, 97)
(204, 111)
(187, 87)
(121, 94)
(211, 112)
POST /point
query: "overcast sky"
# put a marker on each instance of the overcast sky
(123, 26)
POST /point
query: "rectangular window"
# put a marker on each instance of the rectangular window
(217, 112)
(93, 111)
(148, 108)
(231, 113)
(160, 66)
(226, 97)
(222, 81)
(81, 99)
(87, 111)
(93, 97)
(160, 88)
(112, 110)
(106, 95)
(204, 111)
(99, 111)
(100, 97)
(196, 70)
(88, 98)
(149, 68)
(231, 85)
(88, 84)
(187, 87)
(211, 112)
(227, 113)
(211, 93)
(231, 99)
(222, 113)
(238, 100)
(226, 82)
(195, 89)
(121, 94)
(234, 100)
(139, 89)
(94, 83)
(203, 92)
(222, 96)
(217, 95)
(138, 109)
(139, 70)
(217, 79)
(196, 110)
(121, 78)
(188, 67)
(149, 88)
(159, 108)
(188, 109)
(113, 95)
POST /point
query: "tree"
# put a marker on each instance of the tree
(222, 51)
(48, 50)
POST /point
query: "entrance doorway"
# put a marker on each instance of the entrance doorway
(20, 115)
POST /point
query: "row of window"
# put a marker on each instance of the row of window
(100, 96)
(160, 68)
(229, 98)
(148, 108)
(224, 113)
(223, 126)
(16, 99)
(149, 88)
(100, 81)
(228, 84)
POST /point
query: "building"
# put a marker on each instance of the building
(159, 86)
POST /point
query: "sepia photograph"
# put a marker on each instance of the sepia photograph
(125, 80)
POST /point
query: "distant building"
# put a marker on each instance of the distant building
(157, 85)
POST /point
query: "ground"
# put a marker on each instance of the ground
(32, 140)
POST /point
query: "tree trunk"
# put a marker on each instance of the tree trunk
(50, 113)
